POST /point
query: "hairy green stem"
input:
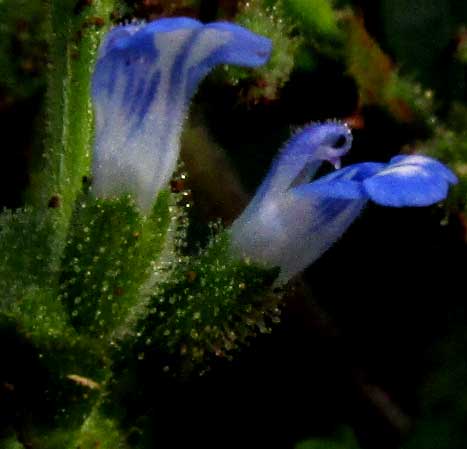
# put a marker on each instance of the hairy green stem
(75, 28)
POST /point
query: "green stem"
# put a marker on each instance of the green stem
(74, 30)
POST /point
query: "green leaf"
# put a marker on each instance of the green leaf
(25, 241)
(112, 250)
(208, 306)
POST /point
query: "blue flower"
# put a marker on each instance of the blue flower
(291, 222)
(144, 78)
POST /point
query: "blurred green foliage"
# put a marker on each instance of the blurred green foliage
(444, 396)
(269, 21)
(316, 18)
(22, 48)
(344, 440)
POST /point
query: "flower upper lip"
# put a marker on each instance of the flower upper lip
(144, 78)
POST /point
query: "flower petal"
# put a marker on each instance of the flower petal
(342, 184)
(410, 181)
(287, 226)
(345, 189)
(433, 164)
(303, 154)
(142, 84)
